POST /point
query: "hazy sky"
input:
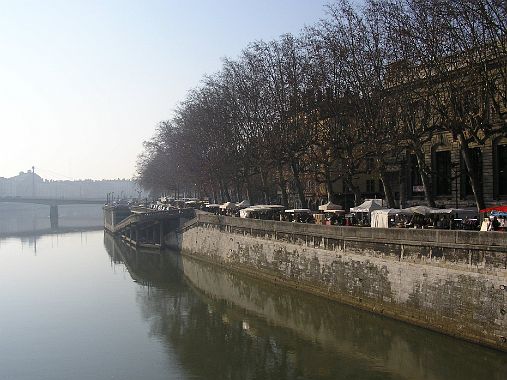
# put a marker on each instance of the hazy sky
(83, 83)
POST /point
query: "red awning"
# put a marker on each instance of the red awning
(495, 208)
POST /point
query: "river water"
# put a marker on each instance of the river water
(81, 305)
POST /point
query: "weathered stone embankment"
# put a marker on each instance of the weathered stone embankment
(454, 282)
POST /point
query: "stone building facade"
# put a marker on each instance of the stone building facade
(450, 186)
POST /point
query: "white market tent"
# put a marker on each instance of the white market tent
(369, 205)
(457, 212)
(248, 212)
(299, 211)
(270, 207)
(421, 210)
(243, 204)
(276, 207)
(330, 206)
(228, 206)
(380, 218)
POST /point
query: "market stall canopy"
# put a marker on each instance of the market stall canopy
(495, 208)
(259, 210)
(272, 207)
(276, 207)
(330, 206)
(243, 204)
(334, 212)
(369, 205)
(228, 206)
(443, 210)
(421, 210)
(299, 211)
(459, 212)
(249, 211)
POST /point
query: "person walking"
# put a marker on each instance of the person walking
(495, 224)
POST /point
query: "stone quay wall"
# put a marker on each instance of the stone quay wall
(454, 282)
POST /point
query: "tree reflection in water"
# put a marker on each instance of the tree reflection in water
(223, 325)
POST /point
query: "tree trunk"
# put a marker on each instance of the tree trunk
(425, 177)
(403, 185)
(249, 194)
(329, 185)
(355, 190)
(264, 182)
(283, 187)
(471, 172)
(215, 194)
(297, 181)
(238, 192)
(225, 192)
(388, 190)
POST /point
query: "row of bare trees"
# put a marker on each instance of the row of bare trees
(365, 84)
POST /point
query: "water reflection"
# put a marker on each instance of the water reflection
(31, 220)
(223, 325)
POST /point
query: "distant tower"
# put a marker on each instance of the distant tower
(33, 181)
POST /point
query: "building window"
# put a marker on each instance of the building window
(501, 169)
(370, 185)
(476, 158)
(442, 172)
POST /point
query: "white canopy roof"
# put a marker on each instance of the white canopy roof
(276, 207)
(299, 211)
(369, 205)
(391, 211)
(330, 206)
(243, 203)
(258, 209)
(228, 206)
(460, 211)
(271, 207)
(422, 210)
(245, 212)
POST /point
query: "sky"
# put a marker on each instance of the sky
(84, 83)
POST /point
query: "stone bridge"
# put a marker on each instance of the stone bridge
(53, 204)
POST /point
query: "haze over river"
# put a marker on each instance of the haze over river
(25, 219)
(81, 305)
